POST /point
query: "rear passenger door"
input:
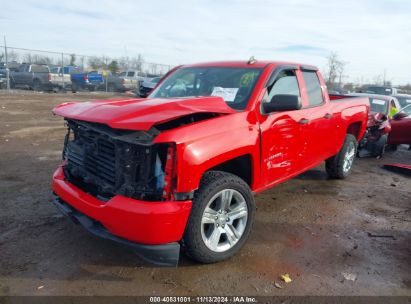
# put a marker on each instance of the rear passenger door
(320, 122)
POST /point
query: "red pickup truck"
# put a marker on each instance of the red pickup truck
(180, 167)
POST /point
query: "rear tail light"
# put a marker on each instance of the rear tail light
(85, 77)
(169, 172)
(49, 77)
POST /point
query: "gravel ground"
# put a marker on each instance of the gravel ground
(314, 229)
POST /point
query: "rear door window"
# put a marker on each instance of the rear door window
(313, 87)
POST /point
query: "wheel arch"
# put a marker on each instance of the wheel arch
(240, 166)
(355, 129)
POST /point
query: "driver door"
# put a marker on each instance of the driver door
(400, 131)
(283, 145)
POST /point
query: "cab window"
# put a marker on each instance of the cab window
(314, 92)
(285, 83)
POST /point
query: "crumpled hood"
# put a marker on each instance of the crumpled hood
(140, 114)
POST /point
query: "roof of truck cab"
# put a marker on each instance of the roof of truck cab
(244, 64)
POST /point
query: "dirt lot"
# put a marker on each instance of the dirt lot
(311, 228)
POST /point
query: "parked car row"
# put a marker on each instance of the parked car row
(41, 77)
(52, 78)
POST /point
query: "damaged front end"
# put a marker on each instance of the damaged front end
(105, 162)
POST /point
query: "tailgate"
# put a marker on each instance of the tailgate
(95, 78)
(58, 78)
(131, 82)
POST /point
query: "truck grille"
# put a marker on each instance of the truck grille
(103, 162)
(97, 157)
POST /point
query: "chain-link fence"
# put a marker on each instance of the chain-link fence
(15, 61)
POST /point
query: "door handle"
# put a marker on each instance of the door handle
(303, 121)
(328, 116)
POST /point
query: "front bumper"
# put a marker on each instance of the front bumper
(93, 85)
(128, 86)
(165, 255)
(148, 227)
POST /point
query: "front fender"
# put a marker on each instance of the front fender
(198, 157)
(206, 144)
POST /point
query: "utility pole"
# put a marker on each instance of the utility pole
(7, 65)
(62, 71)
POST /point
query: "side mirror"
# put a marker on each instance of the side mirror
(399, 116)
(282, 102)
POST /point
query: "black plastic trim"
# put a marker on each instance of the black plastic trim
(309, 68)
(162, 255)
(182, 196)
(277, 71)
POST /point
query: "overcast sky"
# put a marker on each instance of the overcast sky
(370, 36)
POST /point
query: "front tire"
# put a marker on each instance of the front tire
(111, 88)
(340, 165)
(221, 218)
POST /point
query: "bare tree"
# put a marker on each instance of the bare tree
(124, 63)
(335, 70)
(137, 62)
(27, 58)
(41, 59)
(12, 55)
(72, 59)
(95, 62)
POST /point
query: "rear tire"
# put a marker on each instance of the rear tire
(340, 165)
(37, 85)
(111, 87)
(74, 87)
(221, 218)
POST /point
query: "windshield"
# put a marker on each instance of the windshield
(40, 69)
(379, 105)
(404, 100)
(155, 80)
(407, 110)
(234, 85)
(379, 90)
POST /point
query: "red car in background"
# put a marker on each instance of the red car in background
(401, 127)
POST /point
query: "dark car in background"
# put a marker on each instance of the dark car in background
(31, 76)
(380, 90)
(147, 86)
